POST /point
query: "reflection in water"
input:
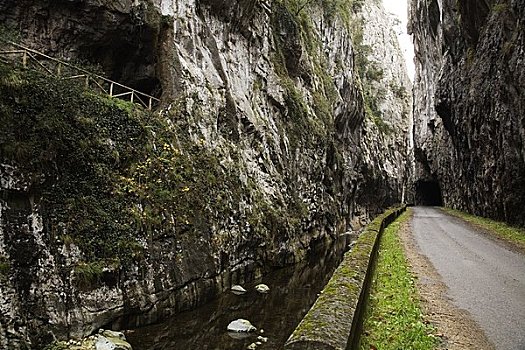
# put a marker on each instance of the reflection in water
(292, 291)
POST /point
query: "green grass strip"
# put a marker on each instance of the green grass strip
(393, 319)
(508, 233)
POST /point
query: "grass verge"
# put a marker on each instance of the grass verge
(508, 233)
(393, 318)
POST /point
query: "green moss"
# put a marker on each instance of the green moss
(166, 20)
(9, 34)
(78, 142)
(343, 290)
(115, 174)
(509, 233)
(307, 127)
(471, 54)
(337, 9)
(500, 8)
(57, 345)
(373, 112)
(332, 9)
(362, 51)
(88, 273)
(393, 318)
(373, 72)
(399, 91)
(5, 266)
(370, 73)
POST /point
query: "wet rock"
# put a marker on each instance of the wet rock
(468, 94)
(238, 290)
(297, 152)
(100, 342)
(262, 339)
(112, 334)
(237, 335)
(241, 326)
(105, 340)
(252, 346)
(262, 288)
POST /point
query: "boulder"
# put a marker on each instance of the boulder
(238, 290)
(262, 288)
(241, 326)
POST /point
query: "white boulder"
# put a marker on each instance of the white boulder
(262, 288)
(241, 325)
(236, 289)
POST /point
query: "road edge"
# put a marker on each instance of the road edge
(486, 231)
(456, 326)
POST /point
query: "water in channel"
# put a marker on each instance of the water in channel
(292, 291)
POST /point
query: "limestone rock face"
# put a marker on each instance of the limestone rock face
(387, 129)
(468, 95)
(263, 147)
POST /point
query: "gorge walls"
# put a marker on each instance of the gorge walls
(469, 106)
(387, 129)
(282, 126)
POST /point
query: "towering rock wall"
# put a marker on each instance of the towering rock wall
(387, 91)
(469, 110)
(263, 147)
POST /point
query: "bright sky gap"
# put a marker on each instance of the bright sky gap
(399, 8)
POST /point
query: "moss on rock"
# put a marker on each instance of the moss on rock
(331, 319)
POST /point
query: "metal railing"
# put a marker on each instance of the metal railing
(66, 71)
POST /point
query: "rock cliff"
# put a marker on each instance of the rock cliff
(267, 143)
(387, 91)
(468, 106)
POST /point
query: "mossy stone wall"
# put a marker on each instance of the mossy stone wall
(334, 320)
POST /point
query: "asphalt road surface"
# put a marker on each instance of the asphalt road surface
(483, 276)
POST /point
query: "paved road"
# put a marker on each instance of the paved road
(483, 276)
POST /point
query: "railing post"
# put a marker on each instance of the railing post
(64, 69)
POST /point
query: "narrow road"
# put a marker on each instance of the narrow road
(483, 276)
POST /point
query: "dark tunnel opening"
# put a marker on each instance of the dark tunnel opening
(127, 63)
(428, 193)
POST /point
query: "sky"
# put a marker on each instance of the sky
(400, 10)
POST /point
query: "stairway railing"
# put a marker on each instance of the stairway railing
(64, 70)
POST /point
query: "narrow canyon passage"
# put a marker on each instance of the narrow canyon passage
(269, 128)
(483, 276)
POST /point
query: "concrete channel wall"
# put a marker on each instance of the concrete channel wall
(334, 321)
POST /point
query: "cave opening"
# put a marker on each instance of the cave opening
(129, 57)
(428, 193)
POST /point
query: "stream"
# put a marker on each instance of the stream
(293, 290)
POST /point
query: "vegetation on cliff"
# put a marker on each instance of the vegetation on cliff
(255, 157)
(108, 175)
(111, 178)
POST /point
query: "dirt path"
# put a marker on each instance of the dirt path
(455, 326)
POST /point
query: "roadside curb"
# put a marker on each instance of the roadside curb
(334, 321)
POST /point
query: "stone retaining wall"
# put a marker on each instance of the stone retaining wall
(334, 321)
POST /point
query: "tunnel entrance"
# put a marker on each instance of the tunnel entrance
(428, 193)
